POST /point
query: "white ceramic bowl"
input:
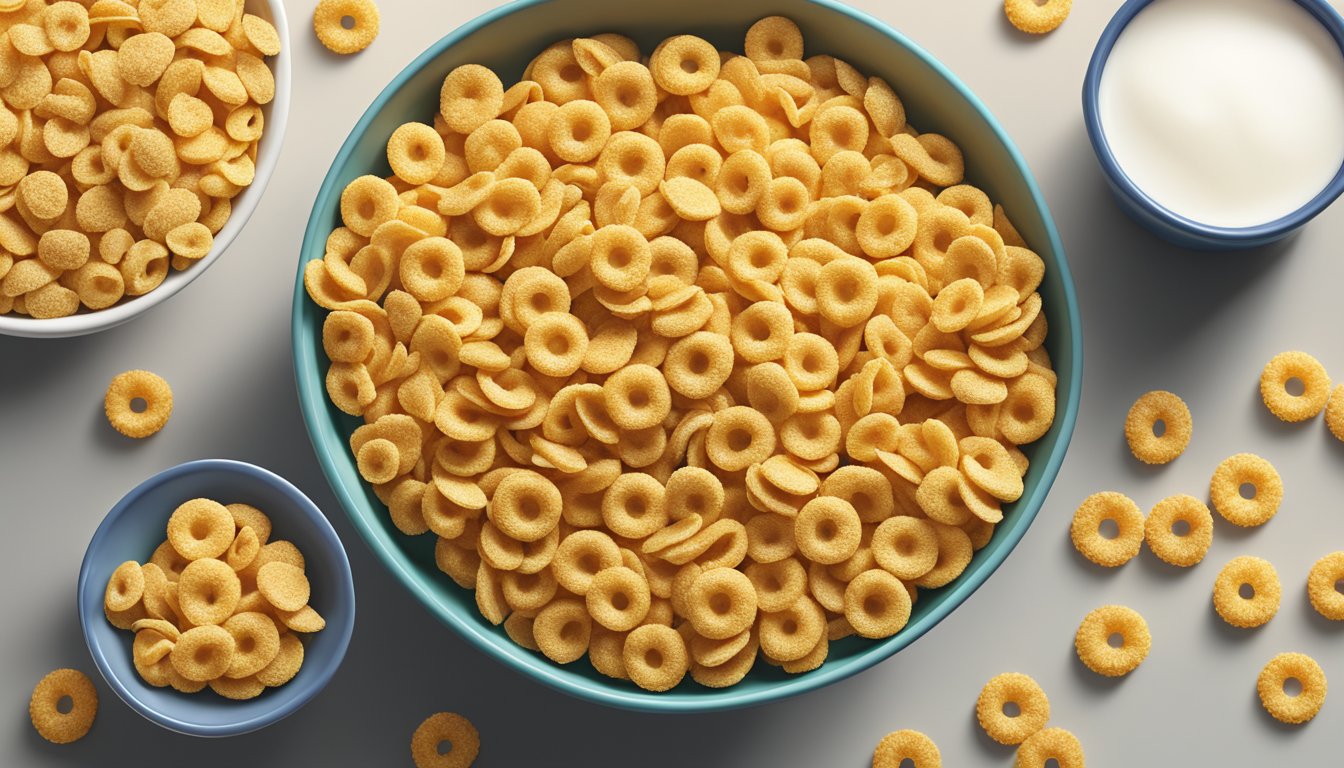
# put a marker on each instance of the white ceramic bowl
(268, 153)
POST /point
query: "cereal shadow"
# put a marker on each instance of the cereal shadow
(1279, 729)
(1224, 632)
(1318, 623)
(1087, 568)
(107, 439)
(1155, 566)
(1269, 423)
(1093, 683)
(1334, 445)
(1013, 35)
(988, 747)
(1226, 530)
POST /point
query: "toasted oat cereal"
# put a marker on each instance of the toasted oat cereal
(1153, 412)
(1246, 490)
(1179, 530)
(1323, 586)
(44, 708)
(1037, 18)
(1281, 372)
(1092, 514)
(462, 738)
(898, 748)
(1033, 708)
(1247, 592)
(655, 657)
(1051, 746)
(1277, 702)
(1097, 636)
(200, 528)
(329, 24)
(1334, 413)
(155, 406)
(683, 339)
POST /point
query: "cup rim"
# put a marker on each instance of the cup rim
(268, 157)
(345, 593)
(1324, 14)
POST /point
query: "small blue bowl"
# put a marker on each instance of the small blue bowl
(1164, 223)
(138, 523)
(505, 39)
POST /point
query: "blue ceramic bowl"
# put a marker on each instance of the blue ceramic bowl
(137, 524)
(1170, 226)
(505, 39)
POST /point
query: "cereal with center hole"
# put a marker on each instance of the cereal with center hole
(1019, 690)
(1279, 375)
(329, 25)
(1236, 473)
(1141, 426)
(655, 657)
(1095, 511)
(1242, 574)
(1179, 549)
(203, 653)
(44, 707)
(1277, 702)
(283, 585)
(208, 591)
(1323, 586)
(125, 587)
(122, 394)
(445, 727)
(1093, 640)
(898, 748)
(200, 528)
(1051, 746)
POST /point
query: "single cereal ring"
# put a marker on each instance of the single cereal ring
(283, 585)
(1277, 702)
(125, 587)
(1282, 370)
(286, 663)
(463, 739)
(208, 591)
(63, 727)
(1146, 414)
(130, 386)
(1263, 582)
(203, 653)
(655, 657)
(328, 23)
(256, 643)
(1236, 472)
(1334, 413)
(877, 604)
(1093, 640)
(721, 603)
(899, 746)
(1322, 586)
(1051, 746)
(1179, 549)
(618, 598)
(1086, 529)
(200, 528)
(1036, 18)
(1020, 690)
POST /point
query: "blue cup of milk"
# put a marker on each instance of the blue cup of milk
(1219, 124)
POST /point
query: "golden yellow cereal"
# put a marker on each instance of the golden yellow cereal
(637, 396)
(907, 547)
(1051, 747)
(240, 689)
(1247, 592)
(1037, 18)
(44, 707)
(1323, 586)
(125, 587)
(208, 591)
(721, 602)
(120, 403)
(618, 599)
(898, 748)
(655, 657)
(367, 203)
(1179, 530)
(1284, 376)
(329, 24)
(556, 343)
(1334, 413)
(445, 728)
(1086, 530)
(827, 530)
(684, 65)
(761, 333)
(1158, 427)
(562, 630)
(739, 437)
(1246, 490)
(200, 528)
(256, 643)
(192, 240)
(203, 653)
(1031, 703)
(1112, 640)
(877, 604)
(581, 556)
(243, 550)
(286, 663)
(525, 506)
(283, 585)
(1276, 700)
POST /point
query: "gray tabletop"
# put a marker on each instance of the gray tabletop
(1201, 325)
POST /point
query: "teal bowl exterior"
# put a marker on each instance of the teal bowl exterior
(137, 524)
(505, 39)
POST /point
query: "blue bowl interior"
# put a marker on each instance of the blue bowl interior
(505, 40)
(1152, 215)
(137, 524)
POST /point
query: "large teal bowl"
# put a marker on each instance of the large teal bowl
(505, 39)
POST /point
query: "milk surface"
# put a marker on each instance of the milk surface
(1227, 112)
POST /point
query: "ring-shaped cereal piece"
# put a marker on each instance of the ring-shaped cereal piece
(1277, 702)
(581, 556)
(471, 95)
(877, 604)
(761, 332)
(827, 530)
(427, 742)
(1322, 587)
(1092, 641)
(899, 746)
(1015, 688)
(1236, 472)
(655, 657)
(328, 23)
(847, 291)
(562, 630)
(416, 153)
(739, 437)
(634, 506)
(208, 591)
(1280, 371)
(697, 365)
(556, 343)
(1085, 531)
(525, 506)
(203, 653)
(1247, 611)
(1141, 424)
(125, 587)
(811, 361)
(1051, 746)
(637, 397)
(130, 386)
(618, 599)
(1179, 549)
(1037, 18)
(43, 707)
(201, 528)
(256, 643)
(721, 603)
(790, 634)
(1334, 413)
(684, 64)
(907, 547)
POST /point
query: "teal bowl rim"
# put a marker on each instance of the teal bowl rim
(312, 403)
